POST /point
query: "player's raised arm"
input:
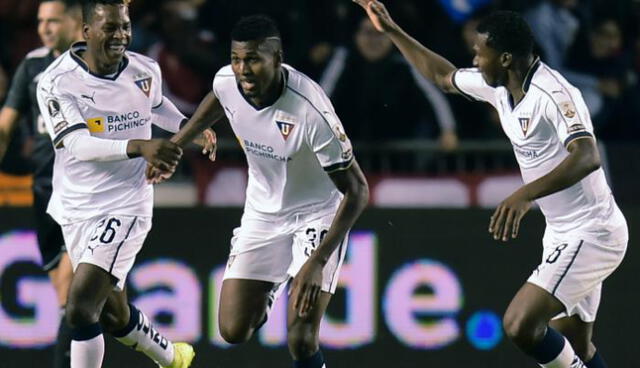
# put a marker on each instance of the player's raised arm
(431, 65)
(208, 112)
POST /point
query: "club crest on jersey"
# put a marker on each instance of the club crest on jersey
(144, 83)
(524, 124)
(285, 129)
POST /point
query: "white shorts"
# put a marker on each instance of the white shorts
(573, 270)
(110, 242)
(275, 251)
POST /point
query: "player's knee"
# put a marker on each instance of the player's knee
(78, 315)
(522, 330)
(235, 333)
(302, 343)
(112, 321)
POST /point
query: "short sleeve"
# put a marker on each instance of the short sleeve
(470, 83)
(60, 112)
(18, 96)
(328, 140)
(156, 84)
(568, 113)
(165, 114)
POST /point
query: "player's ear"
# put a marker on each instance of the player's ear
(279, 58)
(85, 31)
(506, 59)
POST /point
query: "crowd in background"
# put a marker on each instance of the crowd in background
(594, 43)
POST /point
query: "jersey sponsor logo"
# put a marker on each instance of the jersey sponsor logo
(144, 83)
(285, 129)
(568, 110)
(96, 125)
(263, 150)
(60, 126)
(527, 153)
(53, 106)
(524, 125)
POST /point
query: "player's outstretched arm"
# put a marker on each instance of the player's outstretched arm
(306, 285)
(431, 65)
(208, 112)
(8, 119)
(583, 159)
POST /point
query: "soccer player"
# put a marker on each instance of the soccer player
(59, 24)
(98, 102)
(304, 193)
(549, 126)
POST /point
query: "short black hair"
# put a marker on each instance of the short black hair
(508, 32)
(68, 4)
(254, 27)
(88, 7)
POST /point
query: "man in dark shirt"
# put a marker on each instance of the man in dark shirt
(59, 24)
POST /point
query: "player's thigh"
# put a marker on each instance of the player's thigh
(531, 307)
(307, 238)
(49, 234)
(243, 304)
(90, 287)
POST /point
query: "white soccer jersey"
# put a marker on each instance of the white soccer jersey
(119, 107)
(540, 127)
(290, 146)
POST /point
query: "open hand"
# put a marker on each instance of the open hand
(505, 221)
(378, 14)
(306, 287)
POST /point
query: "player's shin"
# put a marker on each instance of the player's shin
(141, 336)
(87, 347)
(62, 350)
(596, 362)
(555, 351)
(314, 361)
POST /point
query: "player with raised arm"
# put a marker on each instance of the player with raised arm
(98, 102)
(59, 24)
(551, 317)
(305, 190)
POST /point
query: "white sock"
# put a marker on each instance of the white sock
(141, 336)
(87, 353)
(566, 359)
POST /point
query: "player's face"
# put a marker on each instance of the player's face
(255, 65)
(109, 33)
(487, 60)
(51, 24)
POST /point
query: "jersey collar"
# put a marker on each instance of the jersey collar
(529, 76)
(81, 46)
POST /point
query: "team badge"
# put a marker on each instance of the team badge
(144, 84)
(285, 129)
(524, 124)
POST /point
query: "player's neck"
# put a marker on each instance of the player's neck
(96, 67)
(272, 94)
(516, 78)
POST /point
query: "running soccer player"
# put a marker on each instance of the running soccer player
(59, 24)
(549, 126)
(98, 102)
(304, 193)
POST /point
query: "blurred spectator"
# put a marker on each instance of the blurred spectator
(186, 55)
(555, 29)
(380, 97)
(604, 59)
